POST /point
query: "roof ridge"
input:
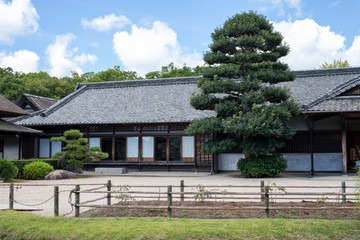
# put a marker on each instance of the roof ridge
(327, 72)
(141, 82)
(333, 92)
(35, 96)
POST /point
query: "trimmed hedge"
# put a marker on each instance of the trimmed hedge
(262, 166)
(37, 170)
(20, 164)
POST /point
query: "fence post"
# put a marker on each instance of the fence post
(11, 196)
(262, 190)
(77, 200)
(343, 189)
(169, 200)
(267, 211)
(182, 190)
(56, 201)
(109, 192)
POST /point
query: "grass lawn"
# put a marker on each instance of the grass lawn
(20, 225)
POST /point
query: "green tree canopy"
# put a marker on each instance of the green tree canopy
(336, 64)
(76, 150)
(239, 85)
(171, 71)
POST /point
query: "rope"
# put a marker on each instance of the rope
(32, 205)
(70, 202)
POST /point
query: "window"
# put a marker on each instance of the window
(188, 151)
(160, 148)
(148, 148)
(174, 148)
(55, 147)
(120, 149)
(106, 146)
(44, 148)
(94, 142)
(132, 147)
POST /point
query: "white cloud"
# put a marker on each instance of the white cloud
(106, 23)
(18, 17)
(282, 6)
(312, 44)
(62, 59)
(148, 49)
(21, 61)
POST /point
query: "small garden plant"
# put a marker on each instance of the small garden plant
(7, 170)
(37, 170)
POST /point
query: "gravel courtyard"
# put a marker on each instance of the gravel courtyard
(36, 193)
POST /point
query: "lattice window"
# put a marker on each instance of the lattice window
(201, 157)
(155, 128)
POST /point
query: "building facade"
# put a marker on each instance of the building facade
(141, 124)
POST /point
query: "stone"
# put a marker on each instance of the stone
(60, 174)
(110, 171)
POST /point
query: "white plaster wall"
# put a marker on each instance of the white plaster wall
(298, 161)
(300, 123)
(331, 123)
(11, 147)
(328, 162)
(228, 161)
(295, 161)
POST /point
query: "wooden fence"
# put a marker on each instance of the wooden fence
(264, 193)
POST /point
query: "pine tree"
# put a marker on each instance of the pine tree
(239, 85)
(76, 150)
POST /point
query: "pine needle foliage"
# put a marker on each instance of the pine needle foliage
(239, 84)
(76, 150)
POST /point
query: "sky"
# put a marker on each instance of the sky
(63, 36)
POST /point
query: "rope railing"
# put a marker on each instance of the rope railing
(263, 194)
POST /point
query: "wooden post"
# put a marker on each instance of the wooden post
(267, 211)
(344, 145)
(343, 190)
(182, 190)
(262, 190)
(56, 201)
(109, 192)
(169, 198)
(11, 196)
(77, 200)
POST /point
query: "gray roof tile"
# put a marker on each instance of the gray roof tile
(167, 100)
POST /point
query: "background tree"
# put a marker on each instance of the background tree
(76, 150)
(239, 85)
(336, 64)
(170, 71)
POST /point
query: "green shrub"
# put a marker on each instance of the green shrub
(262, 166)
(20, 164)
(37, 170)
(7, 170)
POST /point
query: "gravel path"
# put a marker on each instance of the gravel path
(30, 195)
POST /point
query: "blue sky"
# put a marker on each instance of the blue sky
(87, 35)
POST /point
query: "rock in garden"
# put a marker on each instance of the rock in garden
(60, 174)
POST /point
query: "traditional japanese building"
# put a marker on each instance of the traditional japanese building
(32, 103)
(141, 124)
(11, 135)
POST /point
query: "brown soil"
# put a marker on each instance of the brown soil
(231, 214)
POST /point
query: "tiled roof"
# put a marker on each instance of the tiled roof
(168, 100)
(6, 126)
(9, 109)
(35, 102)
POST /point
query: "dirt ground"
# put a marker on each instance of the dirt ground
(223, 213)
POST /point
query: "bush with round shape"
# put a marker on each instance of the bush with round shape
(7, 170)
(264, 166)
(37, 170)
